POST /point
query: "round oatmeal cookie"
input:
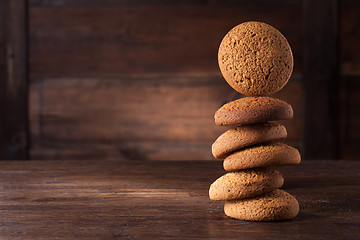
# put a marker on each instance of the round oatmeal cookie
(273, 206)
(262, 155)
(245, 183)
(250, 110)
(247, 135)
(255, 59)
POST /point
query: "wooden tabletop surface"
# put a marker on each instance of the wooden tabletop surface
(165, 200)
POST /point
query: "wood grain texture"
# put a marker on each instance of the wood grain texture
(165, 200)
(350, 117)
(155, 117)
(13, 80)
(105, 41)
(138, 80)
(161, 2)
(349, 36)
(321, 80)
(349, 53)
(92, 60)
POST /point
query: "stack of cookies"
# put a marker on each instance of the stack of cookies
(256, 60)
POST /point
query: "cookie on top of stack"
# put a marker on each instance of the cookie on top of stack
(256, 60)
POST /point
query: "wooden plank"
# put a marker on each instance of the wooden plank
(13, 84)
(92, 109)
(350, 82)
(138, 116)
(349, 37)
(165, 200)
(155, 117)
(105, 41)
(350, 117)
(321, 127)
(139, 150)
(160, 2)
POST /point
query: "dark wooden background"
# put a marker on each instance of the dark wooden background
(118, 79)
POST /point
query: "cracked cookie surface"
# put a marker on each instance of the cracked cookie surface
(262, 155)
(273, 206)
(246, 135)
(255, 59)
(249, 110)
(246, 183)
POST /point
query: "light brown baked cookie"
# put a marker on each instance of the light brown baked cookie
(263, 155)
(245, 183)
(273, 206)
(249, 110)
(255, 59)
(247, 135)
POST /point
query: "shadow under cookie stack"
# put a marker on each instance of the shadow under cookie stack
(256, 60)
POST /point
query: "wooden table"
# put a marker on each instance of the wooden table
(165, 200)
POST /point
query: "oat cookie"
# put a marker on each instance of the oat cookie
(249, 110)
(273, 206)
(262, 155)
(245, 183)
(255, 59)
(247, 135)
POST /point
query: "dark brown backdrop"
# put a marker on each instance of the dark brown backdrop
(91, 79)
